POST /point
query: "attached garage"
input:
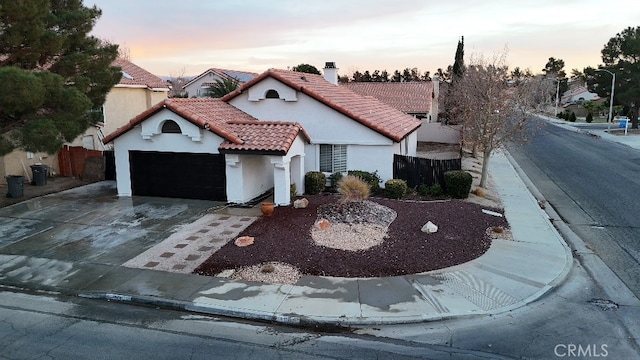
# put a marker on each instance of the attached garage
(207, 149)
(178, 175)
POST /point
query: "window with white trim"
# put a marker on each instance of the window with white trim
(333, 158)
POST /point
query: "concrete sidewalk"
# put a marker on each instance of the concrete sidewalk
(511, 274)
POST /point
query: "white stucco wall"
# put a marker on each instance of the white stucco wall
(367, 150)
(207, 142)
(195, 89)
(247, 177)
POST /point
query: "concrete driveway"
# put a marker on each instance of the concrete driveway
(92, 224)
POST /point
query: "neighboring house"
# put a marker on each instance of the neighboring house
(416, 98)
(199, 85)
(137, 91)
(578, 95)
(267, 134)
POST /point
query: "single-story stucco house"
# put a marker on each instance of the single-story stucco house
(265, 135)
(199, 85)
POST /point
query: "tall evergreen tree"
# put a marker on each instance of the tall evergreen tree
(52, 73)
(458, 64)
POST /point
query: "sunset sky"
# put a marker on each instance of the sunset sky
(169, 37)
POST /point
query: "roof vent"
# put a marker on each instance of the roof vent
(126, 75)
(303, 78)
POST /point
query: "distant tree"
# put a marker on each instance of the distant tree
(52, 73)
(397, 76)
(357, 76)
(343, 79)
(222, 87)
(458, 64)
(176, 82)
(621, 56)
(366, 77)
(406, 75)
(426, 76)
(384, 76)
(493, 112)
(518, 75)
(554, 69)
(444, 75)
(306, 68)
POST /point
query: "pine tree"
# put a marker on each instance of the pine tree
(52, 73)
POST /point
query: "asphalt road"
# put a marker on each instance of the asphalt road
(594, 185)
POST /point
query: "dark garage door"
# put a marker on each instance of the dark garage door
(178, 175)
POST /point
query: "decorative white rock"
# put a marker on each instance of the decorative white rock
(429, 227)
(300, 203)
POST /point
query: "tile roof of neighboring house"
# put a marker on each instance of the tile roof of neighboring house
(133, 75)
(241, 132)
(409, 97)
(368, 111)
(264, 137)
(241, 76)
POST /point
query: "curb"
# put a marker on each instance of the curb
(533, 190)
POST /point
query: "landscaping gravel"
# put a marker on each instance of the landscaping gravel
(286, 238)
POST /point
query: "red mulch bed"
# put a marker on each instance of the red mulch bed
(286, 237)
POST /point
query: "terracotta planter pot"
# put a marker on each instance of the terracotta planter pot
(267, 208)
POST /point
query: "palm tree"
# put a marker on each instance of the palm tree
(222, 87)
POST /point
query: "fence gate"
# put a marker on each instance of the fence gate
(416, 171)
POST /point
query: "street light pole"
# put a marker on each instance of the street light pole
(613, 88)
(557, 96)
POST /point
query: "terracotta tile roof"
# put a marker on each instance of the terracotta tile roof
(241, 76)
(409, 97)
(133, 75)
(368, 111)
(202, 112)
(264, 137)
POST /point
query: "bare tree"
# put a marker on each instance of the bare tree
(492, 109)
(177, 81)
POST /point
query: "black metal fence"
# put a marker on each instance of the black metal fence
(416, 171)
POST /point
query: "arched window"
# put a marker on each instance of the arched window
(171, 127)
(272, 94)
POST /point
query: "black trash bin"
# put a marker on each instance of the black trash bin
(15, 185)
(39, 174)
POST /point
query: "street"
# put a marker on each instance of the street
(573, 317)
(594, 185)
(37, 326)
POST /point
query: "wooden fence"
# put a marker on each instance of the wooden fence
(416, 171)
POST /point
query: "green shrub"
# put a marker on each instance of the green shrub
(458, 183)
(433, 190)
(353, 188)
(560, 115)
(334, 179)
(395, 188)
(370, 178)
(314, 182)
(572, 117)
(589, 118)
(293, 191)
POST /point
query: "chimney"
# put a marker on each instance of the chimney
(435, 105)
(331, 72)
